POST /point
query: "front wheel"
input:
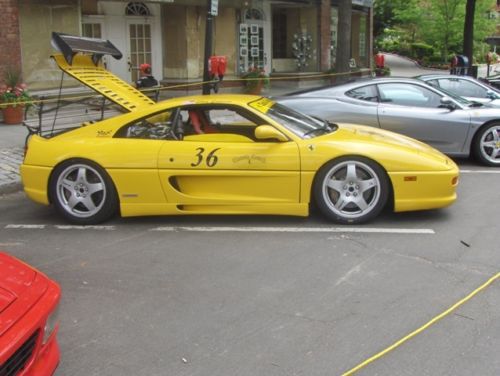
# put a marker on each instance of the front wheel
(486, 145)
(82, 192)
(351, 190)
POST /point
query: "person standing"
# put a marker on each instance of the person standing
(146, 79)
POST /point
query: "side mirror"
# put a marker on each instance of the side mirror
(491, 95)
(267, 132)
(447, 102)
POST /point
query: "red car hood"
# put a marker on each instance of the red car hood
(20, 288)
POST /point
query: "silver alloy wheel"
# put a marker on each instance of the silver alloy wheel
(490, 145)
(81, 190)
(351, 189)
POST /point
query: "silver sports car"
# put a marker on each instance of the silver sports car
(449, 123)
(465, 86)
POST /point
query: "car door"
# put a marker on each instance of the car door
(416, 111)
(357, 105)
(228, 166)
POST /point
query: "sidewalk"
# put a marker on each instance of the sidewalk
(11, 156)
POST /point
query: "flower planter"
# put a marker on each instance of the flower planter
(256, 89)
(13, 115)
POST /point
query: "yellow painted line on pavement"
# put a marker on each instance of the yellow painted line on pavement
(423, 327)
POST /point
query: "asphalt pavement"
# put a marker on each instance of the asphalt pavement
(12, 137)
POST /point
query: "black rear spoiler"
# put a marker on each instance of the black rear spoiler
(70, 45)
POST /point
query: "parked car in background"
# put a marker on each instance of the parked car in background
(449, 123)
(464, 86)
(493, 80)
(28, 320)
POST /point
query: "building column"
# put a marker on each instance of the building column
(369, 44)
(10, 40)
(324, 34)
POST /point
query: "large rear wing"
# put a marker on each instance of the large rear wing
(81, 58)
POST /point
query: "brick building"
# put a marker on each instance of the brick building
(283, 36)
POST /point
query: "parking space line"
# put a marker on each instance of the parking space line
(480, 171)
(28, 227)
(421, 231)
(73, 227)
(423, 327)
(359, 230)
(59, 227)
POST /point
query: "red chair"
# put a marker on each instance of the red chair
(200, 123)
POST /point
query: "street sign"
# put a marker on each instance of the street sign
(214, 7)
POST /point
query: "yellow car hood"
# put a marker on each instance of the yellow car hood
(392, 146)
(387, 137)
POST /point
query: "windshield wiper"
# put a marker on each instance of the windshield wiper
(476, 104)
(327, 127)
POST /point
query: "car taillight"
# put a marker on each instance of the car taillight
(26, 142)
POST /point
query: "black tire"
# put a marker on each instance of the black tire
(351, 190)
(82, 192)
(486, 145)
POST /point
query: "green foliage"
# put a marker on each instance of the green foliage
(409, 26)
(380, 72)
(254, 78)
(421, 50)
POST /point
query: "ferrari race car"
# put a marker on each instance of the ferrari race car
(225, 154)
(28, 320)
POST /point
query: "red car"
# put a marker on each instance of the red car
(28, 320)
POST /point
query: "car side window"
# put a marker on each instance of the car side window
(405, 94)
(159, 126)
(463, 88)
(221, 120)
(196, 122)
(434, 83)
(365, 93)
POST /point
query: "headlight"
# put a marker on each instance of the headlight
(51, 324)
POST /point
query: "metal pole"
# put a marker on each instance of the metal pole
(208, 48)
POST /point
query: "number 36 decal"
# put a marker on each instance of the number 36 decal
(211, 159)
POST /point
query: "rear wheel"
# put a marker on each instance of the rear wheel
(486, 145)
(82, 192)
(351, 190)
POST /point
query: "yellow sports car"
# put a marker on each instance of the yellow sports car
(228, 154)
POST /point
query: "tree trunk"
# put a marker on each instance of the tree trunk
(468, 46)
(344, 37)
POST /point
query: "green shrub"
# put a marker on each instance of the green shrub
(419, 50)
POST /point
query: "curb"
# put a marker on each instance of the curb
(8, 188)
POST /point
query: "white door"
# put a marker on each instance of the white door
(138, 37)
(139, 46)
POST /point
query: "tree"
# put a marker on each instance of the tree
(448, 18)
(344, 36)
(410, 16)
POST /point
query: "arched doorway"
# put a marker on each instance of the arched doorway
(253, 40)
(134, 28)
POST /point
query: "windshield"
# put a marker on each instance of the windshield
(461, 100)
(300, 124)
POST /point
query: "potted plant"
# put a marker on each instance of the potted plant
(14, 97)
(255, 79)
